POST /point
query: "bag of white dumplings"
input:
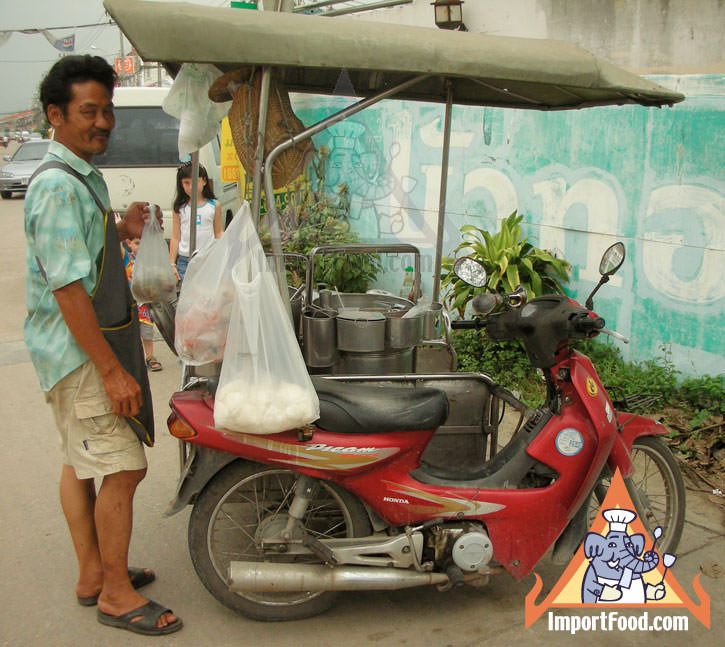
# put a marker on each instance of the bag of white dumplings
(207, 292)
(264, 387)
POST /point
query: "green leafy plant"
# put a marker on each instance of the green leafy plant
(706, 393)
(313, 218)
(510, 260)
(657, 376)
(346, 272)
(698, 398)
(506, 362)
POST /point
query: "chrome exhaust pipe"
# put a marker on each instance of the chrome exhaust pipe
(269, 577)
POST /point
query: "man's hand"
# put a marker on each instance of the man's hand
(80, 317)
(131, 225)
(123, 391)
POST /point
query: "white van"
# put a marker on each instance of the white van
(143, 155)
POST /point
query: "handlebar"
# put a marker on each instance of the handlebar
(543, 324)
(587, 325)
(468, 324)
(614, 334)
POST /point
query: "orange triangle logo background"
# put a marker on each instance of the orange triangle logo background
(567, 591)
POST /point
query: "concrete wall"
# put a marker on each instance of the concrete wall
(583, 179)
(649, 36)
(650, 177)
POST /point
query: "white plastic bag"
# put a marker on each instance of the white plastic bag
(207, 294)
(264, 387)
(153, 278)
(188, 101)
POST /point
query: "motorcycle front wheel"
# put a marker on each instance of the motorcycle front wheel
(235, 510)
(657, 490)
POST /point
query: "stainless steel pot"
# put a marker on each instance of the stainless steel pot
(432, 322)
(319, 336)
(359, 301)
(394, 362)
(360, 331)
(401, 331)
(295, 295)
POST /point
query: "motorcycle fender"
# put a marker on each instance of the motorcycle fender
(631, 427)
(201, 467)
(586, 381)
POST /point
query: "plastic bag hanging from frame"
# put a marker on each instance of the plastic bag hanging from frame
(264, 387)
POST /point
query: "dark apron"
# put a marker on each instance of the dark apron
(117, 317)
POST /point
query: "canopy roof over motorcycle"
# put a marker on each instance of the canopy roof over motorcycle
(309, 52)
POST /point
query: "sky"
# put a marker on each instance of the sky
(24, 59)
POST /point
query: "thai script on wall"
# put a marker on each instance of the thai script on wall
(650, 177)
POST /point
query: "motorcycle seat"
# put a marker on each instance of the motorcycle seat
(353, 408)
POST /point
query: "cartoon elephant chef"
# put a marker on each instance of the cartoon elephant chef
(614, 574)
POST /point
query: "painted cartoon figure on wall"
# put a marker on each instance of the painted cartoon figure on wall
(614, 574)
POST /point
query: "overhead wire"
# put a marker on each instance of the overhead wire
(33, 30)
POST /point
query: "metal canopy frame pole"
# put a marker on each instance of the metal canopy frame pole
(259, 153)
(443, 191)
(194, 200)
(306, 134)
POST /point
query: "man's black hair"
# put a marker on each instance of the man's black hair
(55, 88)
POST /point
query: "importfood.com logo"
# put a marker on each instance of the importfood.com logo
(618, 565)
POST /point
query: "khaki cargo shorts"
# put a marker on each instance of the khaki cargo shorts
(94, 441)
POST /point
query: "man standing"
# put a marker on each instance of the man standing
(82, 334)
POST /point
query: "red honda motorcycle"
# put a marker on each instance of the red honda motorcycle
(282, 522)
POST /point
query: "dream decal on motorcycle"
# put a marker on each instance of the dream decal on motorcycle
(618, 565)
(318, 455)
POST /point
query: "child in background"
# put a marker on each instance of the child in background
(144, 316)
(208, 218)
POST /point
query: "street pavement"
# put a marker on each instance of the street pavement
(37, 605)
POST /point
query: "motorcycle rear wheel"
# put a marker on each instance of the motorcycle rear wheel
(659, 491)
(234, 509)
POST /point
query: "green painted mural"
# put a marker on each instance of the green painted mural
(653, 178)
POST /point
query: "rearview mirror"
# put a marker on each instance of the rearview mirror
(612, 259)
(470, 271)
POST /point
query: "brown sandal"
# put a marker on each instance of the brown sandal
(152, 364)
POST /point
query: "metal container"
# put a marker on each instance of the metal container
(360, 331)
(295, 295)
(319, 337)
(432, 322)
(402, 331)
(359, 301)
(325, 298)
(392, 362)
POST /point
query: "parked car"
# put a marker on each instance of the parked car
(143, 155)
(15, 175)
